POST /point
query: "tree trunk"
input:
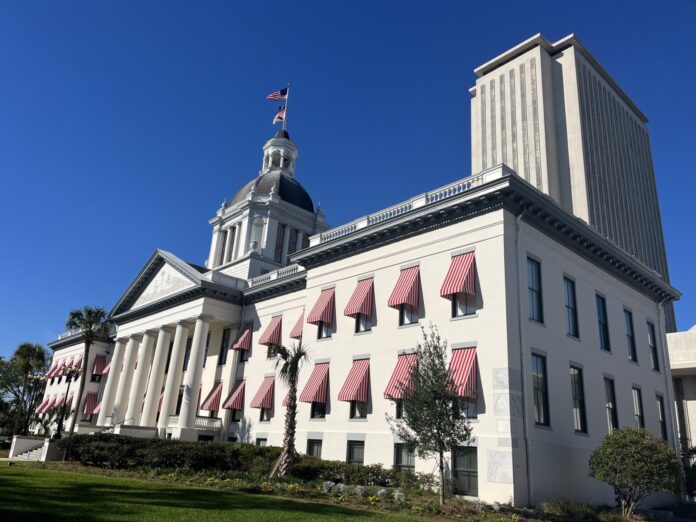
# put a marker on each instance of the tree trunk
(288, 456)
(81, 389)
(442, 478)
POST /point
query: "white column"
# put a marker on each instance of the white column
(125, 380)
(176, 363)
(111, 385)
(192, 379)
(154, 384)
(135, 401)
(227, 246)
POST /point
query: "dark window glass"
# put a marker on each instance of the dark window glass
(630, 337)
(179, 398)
(244, 355)
(358, 410)
(541, 397)
(265, 414)
(652, 343)
(314, 448)
(96, 378)
(323, 330)
(221, 251)
(578, 390)
(536, 306)
(230, 244)
(466, 407)
(280, 237)
(407, 314)
(292, 241)
(169, 357)
(356, 452)
(404, 459)
(236, 416)
(318, 410)
(224, 346)
(603, 323)
(610, 401)
(399, 409)
(638, 408)
(261, 442)
(207, 344)
(187, 353)
(362, 323)
(465, 471)
(463, 304)
(661, 416)
(571, 307)
(305, 241)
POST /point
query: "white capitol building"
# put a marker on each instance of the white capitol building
(554, 305)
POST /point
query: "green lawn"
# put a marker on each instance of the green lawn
(30, 493)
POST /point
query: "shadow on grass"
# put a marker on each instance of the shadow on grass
(35, 494)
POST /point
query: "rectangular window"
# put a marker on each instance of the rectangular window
(407, 314)
(356, 452)
(399, 407)
(661, 416)
(630, 336)
(466, 407)
(463, 304)
(96, 377)
(652, 343)
(224, 346)
(541, 396)
(362, 323)
(314, 448)
(358, 410)
(465, 471)
(638, 408)
(536, 306)
(87, 417)
(318, 410)
(578, 389)
(236, 416)
(610, 401)
(403, 458)
(603, 323)
(244, 355)
(187, 353)
(280, 237)
(292, 241)
(261, 442)
(305, 241)
(323, 330)
(179, 398)
(207, 344)
(265, 414)
(571, 307)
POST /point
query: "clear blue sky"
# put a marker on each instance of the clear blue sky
(123, 125)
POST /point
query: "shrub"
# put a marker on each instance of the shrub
(635, 463)
(569, 510)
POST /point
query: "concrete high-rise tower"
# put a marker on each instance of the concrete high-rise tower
(553, 114)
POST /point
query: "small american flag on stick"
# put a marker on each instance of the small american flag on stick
(282, 94)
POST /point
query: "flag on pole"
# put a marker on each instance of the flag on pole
(282, 94)
(280, 116)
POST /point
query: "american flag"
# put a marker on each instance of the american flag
(278, 95)
(280, 116)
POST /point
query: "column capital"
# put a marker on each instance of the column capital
(205, 317)
(122, 340)
(186, 323)
(151, 332)
(136, 337)
(166, 329)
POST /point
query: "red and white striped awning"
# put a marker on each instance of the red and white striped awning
(68, 402)
(407, 288)
(357, 385)
(60, 401)
(461, 276)
(99, 365)
(52, 369)
(264, 397)
(361, 302)
(77, 362)
(59, 369)
(212, 401)
(44, 403)
(462, 368)
(323, 311)
(401, 377)
(107, 369)
(273, 332)
(317, 387)
(243, 341)
(235, 401)
(90, 404)
(296, 332)
(50, 404)
(285, 400)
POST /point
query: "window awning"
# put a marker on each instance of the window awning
(273, 332)
(77, 362)
(68, 402)
(99, 365)
(212, 401)
(462, 368)
(361, 302)
(296, 332)
(43, 405)
(264, 397)
(461, 276)
(106, 369)
(323, 310)
(401, 377)
(59, 369)
(235, 401)
(357, 385)
(90, 404)
(50, 404)
(317, 386)
(407, 288)
(52, 369)
(243, 341)
(60, 401)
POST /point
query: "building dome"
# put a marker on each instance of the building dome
(286, 186)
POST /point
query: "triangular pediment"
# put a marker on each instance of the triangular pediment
(166, 282)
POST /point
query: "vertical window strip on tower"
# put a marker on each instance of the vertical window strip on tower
(513, 119)
(525, 131)
(494, 150)
(503, 128)
(484, 152)
(535, 123)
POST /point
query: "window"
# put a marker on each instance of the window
(661, 416)
(362, 323)
(323, 330)
(463, 304)
(314, 448)
(96, 377)
(578, 389)
(187, 353)
(244, 355)
(318, 410)
(652, 343)
(541, 397)
(224, 346)
(265, 414)
(236, 416)
(603, 323)
(465, 471)
(638, 408)
(358, 410)
(292, 241)
(305, 241)
(232, 438)
(571, 307)
(261, 442)
(610, 400)
(403, 458)
(407, 314)
(87, 417)
(207, 344)
(536, 307)
(356, 452)
(467, 407)
(630, 336)
(280, 237)
(399, 414)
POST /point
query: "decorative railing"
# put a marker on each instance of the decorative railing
(276, 274)
(417, 202)
(208, 423)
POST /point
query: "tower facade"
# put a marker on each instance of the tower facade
(553, 114)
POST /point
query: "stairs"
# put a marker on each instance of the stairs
(31, 454)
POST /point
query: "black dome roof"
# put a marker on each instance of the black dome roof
(287, 187)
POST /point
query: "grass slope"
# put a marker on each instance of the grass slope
(39, 494)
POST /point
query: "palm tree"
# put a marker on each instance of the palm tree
(288, 362)
(31, 357)
(94, 323)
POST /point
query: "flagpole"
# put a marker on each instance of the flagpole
(287, 99)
